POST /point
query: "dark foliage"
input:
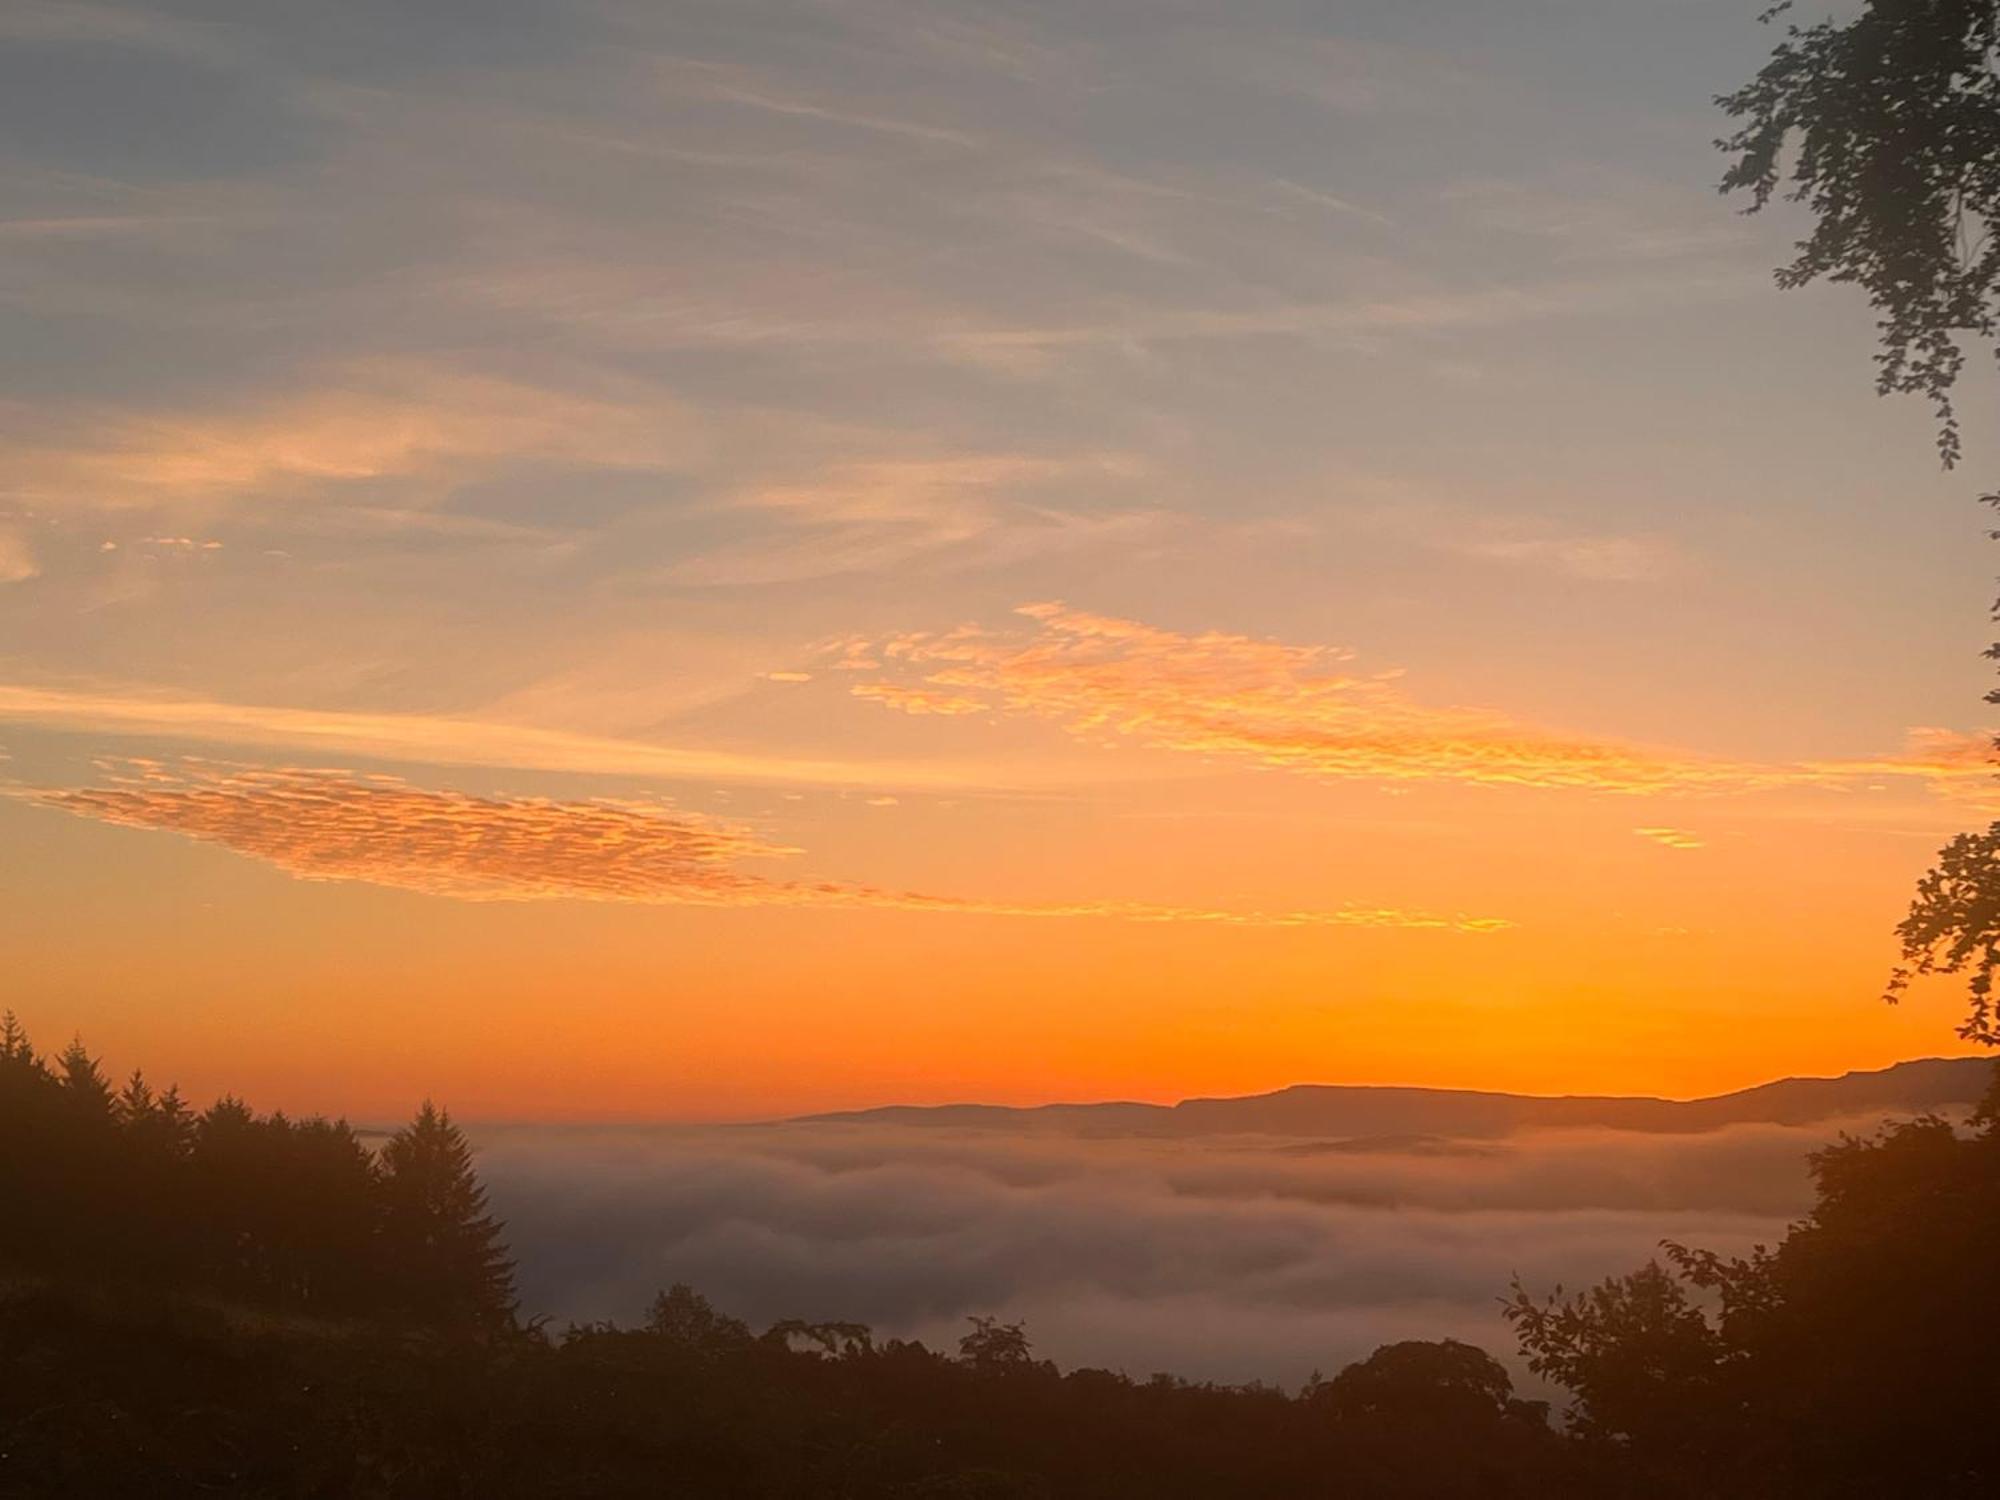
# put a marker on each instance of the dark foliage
(1892, 124)
(1953, 927)
(1855, 1359)
(1893, 120)
(109, 1394)
(131, 1186)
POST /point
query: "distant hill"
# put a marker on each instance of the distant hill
(1366, 1111)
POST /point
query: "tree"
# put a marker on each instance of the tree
(16, 1052)
(994, 1346)
(1892, 120)
(1953, 927)
(84, 1085)
(1855, 1359)
(1642, 1362)
(688, 1320)
(1895, 116)
(1438, 1420)
(441, 1250)
(1448, 1382)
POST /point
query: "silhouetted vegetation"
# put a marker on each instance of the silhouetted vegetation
(1893, 120)
(131, 1186)
(234, 1303)
(1855, 1359)
(1886, 128)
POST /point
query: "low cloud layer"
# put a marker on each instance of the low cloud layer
(1232, 1258)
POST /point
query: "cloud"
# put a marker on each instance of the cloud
(1599, 215)
(1231, 1258)
(1670, 838)
(1520, 540)
(918, 699)
(332, 825)
(1306, 709)
(971, 510)
(1609, 559)
(1362, 321)
(76, 21)
(444, 740)
(364, 422)
(17, 558)
(318, 824)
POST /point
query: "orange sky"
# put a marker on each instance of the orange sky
(683, 566)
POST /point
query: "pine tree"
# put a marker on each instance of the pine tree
(15, 1049)
(135, 1101)
(83, 1081)
(441, 1249)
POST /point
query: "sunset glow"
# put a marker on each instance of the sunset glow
(676, 563)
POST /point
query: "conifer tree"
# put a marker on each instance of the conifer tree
(15, 1049)
(84, 1083)
(442, 1253)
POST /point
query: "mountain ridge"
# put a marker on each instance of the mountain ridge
(1915, 1086)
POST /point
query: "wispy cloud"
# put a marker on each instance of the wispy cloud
(1609, 559)
(368, 422)
(1599, 215)
(444, 740)
(978, 509)
(1363, 321)
(1670, 838)
(918, 698)
(1307, 709)
(1521, 540)
(747, 88)
(112, 25)
(17, 558)
(318, 824)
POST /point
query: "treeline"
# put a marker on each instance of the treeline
(125, 1184)
(107, 1394)
(239, 1304)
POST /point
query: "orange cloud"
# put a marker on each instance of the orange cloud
(1670, 838)
(334, 825)
(381, 830)
(918, 699)
(1306, 709)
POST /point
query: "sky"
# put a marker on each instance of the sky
(708, 561)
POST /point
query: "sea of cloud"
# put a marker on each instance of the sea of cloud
(1228, 1258)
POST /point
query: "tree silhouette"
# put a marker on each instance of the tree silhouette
(1892, 124)
(1894, 117)
(1953, 927)
(995, 1346)
(15, 1050)
(1436, 1420)
(441, 1251)
(1854, 1359)
(688, 1320)
(84, 1085)
(1642, 1362)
